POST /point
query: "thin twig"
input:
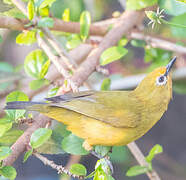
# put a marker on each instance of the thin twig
(60, 169)
(141, 160)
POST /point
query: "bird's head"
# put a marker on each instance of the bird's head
(157, 83)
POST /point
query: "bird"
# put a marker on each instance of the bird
(109, 118)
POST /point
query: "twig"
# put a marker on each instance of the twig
(159, 43)
(141, 160)
(60, 169)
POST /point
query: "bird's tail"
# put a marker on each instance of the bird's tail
(28, 105)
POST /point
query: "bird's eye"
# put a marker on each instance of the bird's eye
(161, 80)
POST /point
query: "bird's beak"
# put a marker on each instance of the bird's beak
(169, 66)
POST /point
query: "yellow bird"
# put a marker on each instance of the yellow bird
(109, 118)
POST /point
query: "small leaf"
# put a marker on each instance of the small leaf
(46, 22)
(140, 4)
(184, 1)
(112, 54)
(8, 172)
(44, 12)
(39, 137)
(137, 170)
(16, 96)
(27, 38)
(155, 150)
(105, 86)
(4, 128)
(36, 64)
(73, 41)
(73, 145)
(27, 155)
(5, 151)
(46, 3)
(78, 169)
(102, 165)
(90, 175)
(10, 137)
(31, 9)
(138, 43)
(123, 41)
(38, 83)
(102, 150)
(66, 15)
(85, 21)
(52, 92)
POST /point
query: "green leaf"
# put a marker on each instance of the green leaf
(38, 83)
(177, 31)
(16, 96)
(15, 13)
(10, 137)
(78, 169)
(5, 151)
(123, 41)
(52, 92)
(102, 150)
(90, 175)
(179, 86)
(116, 156)
(140, 4)
(103, 166)
(8, 172)
(137, 170)
(46, 22)
(138, 43)
(85, 21)
(112, 54)
(46, 3)
(44, 12)
(105, 86)
(73, 145)
(27, 155)
(4, 128)
(154, 151)
(66, 15)
(36, 64)
(31, 9)
(27, 38)
(39, 137)
(73, 41)
(172, 7)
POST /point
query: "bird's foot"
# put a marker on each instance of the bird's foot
(106, 158)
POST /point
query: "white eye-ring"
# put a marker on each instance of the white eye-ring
(161, 80)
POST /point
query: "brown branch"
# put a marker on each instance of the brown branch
(60, 169)
(159, 43)
(20, 145)
(110, 39)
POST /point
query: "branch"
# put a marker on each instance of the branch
(20, 145)
(159, 43)
(60, 169)
(110, 39)
(141, 160)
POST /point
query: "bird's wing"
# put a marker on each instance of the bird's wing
(116, 108)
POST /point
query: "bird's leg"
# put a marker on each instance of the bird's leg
(105, 158)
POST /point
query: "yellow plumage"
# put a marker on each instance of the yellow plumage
(110, 117)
